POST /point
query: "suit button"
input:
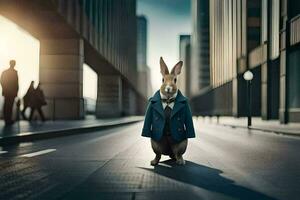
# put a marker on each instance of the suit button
(156, 118)
(178, 118)
(179, 129)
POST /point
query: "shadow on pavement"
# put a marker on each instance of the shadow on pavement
(206, 178)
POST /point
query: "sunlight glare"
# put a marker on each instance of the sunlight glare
(17, 44)
(90, 81)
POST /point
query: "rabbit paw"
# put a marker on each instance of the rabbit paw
(154, 162)
(172, 157)
(180, 161)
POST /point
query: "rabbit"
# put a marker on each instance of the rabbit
(168, 119)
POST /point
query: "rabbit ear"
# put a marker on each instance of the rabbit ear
(177, 68)
(163, 67)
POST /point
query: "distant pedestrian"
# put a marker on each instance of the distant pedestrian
(27, 99)
(37, 101)
(10, 87)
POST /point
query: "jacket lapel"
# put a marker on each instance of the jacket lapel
(179, 103)
(156, 103)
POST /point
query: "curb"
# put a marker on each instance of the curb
(277, 132)
(31, 136)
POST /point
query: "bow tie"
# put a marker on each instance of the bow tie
(168, 101)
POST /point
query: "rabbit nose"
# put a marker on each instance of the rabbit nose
(168, 88)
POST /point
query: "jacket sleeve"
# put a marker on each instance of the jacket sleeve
(146, 132)
(190, 131)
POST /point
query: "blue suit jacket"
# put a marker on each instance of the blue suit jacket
(181, 119)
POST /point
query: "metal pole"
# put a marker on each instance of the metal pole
(249, 103)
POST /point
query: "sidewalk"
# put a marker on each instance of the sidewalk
(26, 131)
(257, 124)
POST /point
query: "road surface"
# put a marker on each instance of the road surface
(222, 163)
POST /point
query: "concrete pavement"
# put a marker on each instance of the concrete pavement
(222, 163)
(23, 131)
(257, 124)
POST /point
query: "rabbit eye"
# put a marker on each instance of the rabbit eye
(175, 80)
(163, 80)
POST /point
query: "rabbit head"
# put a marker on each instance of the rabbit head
(169, 87)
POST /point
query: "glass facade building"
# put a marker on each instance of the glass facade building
(144, 76)
(200, 75)
(257, 35)
(184, 79)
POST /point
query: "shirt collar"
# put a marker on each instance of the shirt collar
(165, 97)
(179, 98)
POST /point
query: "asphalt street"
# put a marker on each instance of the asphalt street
(221, 163)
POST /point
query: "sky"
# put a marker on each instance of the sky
(167, 19)
(90, 82)
(17, 44)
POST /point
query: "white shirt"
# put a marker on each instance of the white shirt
(164, 104)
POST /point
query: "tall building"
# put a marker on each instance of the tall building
(141, 42)
(289, 107)
(261, 36)
(99, 33)
(234, 31)
(144, 77)
(200, 46)
(184, 79)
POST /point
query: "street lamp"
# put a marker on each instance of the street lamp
(248, 76)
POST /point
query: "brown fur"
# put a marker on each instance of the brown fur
(166, 145)
(169, 79)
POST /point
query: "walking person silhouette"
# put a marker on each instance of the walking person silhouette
(38, 100)
(27, 99)
(10, 86)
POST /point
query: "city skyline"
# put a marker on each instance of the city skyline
(95, 129)
(163, 37)
(166, 21)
